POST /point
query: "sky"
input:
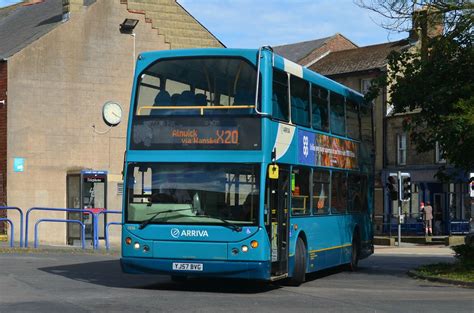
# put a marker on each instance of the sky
(255, 23)
(4, 3)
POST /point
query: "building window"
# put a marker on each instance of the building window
(120, 189)
(365, 85)
(439, 154)
(402, 149)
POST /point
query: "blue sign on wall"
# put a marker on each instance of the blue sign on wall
(18, 164)
(306, 147)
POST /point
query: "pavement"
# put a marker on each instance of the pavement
(415, 249)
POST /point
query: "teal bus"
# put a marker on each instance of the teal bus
(243, 164)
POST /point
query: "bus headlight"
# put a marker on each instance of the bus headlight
(254, 244)
(245, 248)
(136, 245)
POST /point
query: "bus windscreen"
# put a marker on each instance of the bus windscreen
(193, 193)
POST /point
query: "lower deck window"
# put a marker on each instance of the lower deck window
(338, 192)
(300, 196)
(320, 192)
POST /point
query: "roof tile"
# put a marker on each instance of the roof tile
(358, 59)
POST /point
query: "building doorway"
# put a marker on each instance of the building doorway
(440, 219)
(86, 190)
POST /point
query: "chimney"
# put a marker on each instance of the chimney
(426, 22)
(71, 6)
(65, 10)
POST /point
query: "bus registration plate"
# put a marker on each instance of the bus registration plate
(187, 267)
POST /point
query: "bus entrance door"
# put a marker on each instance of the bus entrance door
(278, 230)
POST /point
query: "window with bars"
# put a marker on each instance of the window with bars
(401, 149)
(120, 189)
(439, 154)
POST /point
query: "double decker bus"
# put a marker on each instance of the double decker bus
(242, 164)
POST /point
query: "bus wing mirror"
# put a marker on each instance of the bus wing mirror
(273, 171)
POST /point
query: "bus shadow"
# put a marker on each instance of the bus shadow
(217, 285)
(109, 274)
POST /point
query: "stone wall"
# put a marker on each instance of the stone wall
(57, 86)
(179, 28)
(3, 132)
(3, 141)
(394, 128)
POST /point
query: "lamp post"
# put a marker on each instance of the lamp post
(127, 27)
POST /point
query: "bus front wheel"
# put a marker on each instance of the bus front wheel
(299, 269)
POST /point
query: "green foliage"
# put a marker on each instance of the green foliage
(457, 271)
(464, 254)
(436, 87)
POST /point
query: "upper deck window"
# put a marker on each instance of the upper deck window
(338, 122)
(319, 97)
(197, 86)
(299, 101)
(280, 96)
(352, 119)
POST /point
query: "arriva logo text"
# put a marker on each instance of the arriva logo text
(176, 233)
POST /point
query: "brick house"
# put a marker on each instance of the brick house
(307, 53)
(60, 61)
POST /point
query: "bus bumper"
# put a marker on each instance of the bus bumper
(257, 270)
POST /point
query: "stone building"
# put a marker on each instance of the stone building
(60, 61)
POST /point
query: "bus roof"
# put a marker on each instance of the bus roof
(250, 54)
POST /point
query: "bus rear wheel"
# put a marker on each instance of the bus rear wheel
(299, 270)
(354, 263)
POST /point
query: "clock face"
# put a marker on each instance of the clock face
(112, 113)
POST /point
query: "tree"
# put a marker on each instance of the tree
(435, 82)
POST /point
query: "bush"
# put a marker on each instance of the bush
(469, 240)
(464, 253)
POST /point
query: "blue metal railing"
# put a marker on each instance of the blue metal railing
(59, 220)
(83, 229)
(12, 233)
(11, 223)
(107, 242)
(96, 226)
(459, 227)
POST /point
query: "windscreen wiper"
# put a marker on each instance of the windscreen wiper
(148, 221)
(232, 226)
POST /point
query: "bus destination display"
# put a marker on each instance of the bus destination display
(191, 133)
